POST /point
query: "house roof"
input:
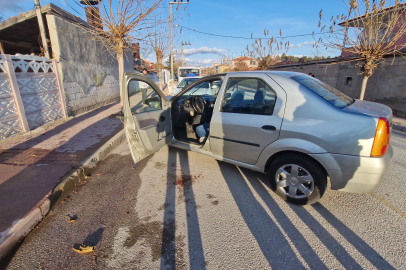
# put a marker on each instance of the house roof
(47, 9)
(353, 20)
(151, 67)
(242, 58)
(19, 34)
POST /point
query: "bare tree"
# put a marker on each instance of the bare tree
(224, 62)
(121, 24)
(159, 39)
(240, 65)
(267, 50)
(369, 32)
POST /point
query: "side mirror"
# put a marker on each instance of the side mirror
(228, 95)
(154, 102)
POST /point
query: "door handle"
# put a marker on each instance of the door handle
(162, 118)
(266, 127)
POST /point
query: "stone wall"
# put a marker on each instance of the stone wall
(89, 72)
(387, 85)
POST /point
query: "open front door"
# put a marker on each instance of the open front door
(147, 116)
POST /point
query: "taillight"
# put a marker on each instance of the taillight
(381, 140)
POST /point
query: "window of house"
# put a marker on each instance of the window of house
(348, 81)
(249, 96)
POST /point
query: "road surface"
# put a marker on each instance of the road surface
(182, 210)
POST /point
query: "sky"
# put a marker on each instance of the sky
(230, 18)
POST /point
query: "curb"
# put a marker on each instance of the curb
(399, 128)
(68, 182)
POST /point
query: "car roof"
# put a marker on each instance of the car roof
(192, 77)
(282, 73)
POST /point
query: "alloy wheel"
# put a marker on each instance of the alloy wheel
(295, 181)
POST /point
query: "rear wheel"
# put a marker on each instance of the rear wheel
(297, 179)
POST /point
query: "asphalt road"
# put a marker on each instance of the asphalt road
(178, 209)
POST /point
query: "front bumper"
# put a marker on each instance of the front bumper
(355, 173)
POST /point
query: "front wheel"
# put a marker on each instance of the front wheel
(297, 179)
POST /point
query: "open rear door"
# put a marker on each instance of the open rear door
(147, 116)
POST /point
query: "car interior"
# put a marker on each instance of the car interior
(194, 108)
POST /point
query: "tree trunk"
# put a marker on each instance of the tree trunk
(161, 85)
(120, 58)
(159, 65)
(363, 87)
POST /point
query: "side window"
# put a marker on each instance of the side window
(142, 97)
(248, 95)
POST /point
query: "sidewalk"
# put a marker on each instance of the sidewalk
(31, 165)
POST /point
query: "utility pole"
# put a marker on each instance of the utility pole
(41, 28)
(170, 21)
(184, 43)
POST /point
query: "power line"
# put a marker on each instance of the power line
(246, 37)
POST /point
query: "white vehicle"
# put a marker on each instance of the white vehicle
(184, 72)
(185, 82)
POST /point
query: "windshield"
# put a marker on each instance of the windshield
(189, 72)
(207, 88)
(186, 82)
(327, 92)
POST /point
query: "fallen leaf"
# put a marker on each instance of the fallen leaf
(83, 249)
(71, 219)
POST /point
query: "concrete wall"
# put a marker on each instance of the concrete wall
(89, 72)
(30, 93)
(325, 72)
(387, 85)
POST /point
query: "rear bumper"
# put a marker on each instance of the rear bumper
(355, 173)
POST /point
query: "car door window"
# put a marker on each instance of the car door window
(142, 97)
(249, 96)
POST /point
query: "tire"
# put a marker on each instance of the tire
(297, 179)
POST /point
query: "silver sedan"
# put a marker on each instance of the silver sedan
(297, 129)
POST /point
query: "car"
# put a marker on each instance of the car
(299, 130)
(183, 83)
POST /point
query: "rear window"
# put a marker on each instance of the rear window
(189, 72)
(325, 91)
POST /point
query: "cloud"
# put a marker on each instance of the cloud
(200, 62)
(306, 43)
(201, 50)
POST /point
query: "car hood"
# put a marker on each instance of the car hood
(371, 109)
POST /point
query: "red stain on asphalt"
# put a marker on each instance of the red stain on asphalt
(182, 178)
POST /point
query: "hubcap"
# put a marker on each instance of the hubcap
(295, 181)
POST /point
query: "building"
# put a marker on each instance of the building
(82, 74)
(251, 63)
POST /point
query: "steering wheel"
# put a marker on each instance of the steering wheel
(198, 104)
